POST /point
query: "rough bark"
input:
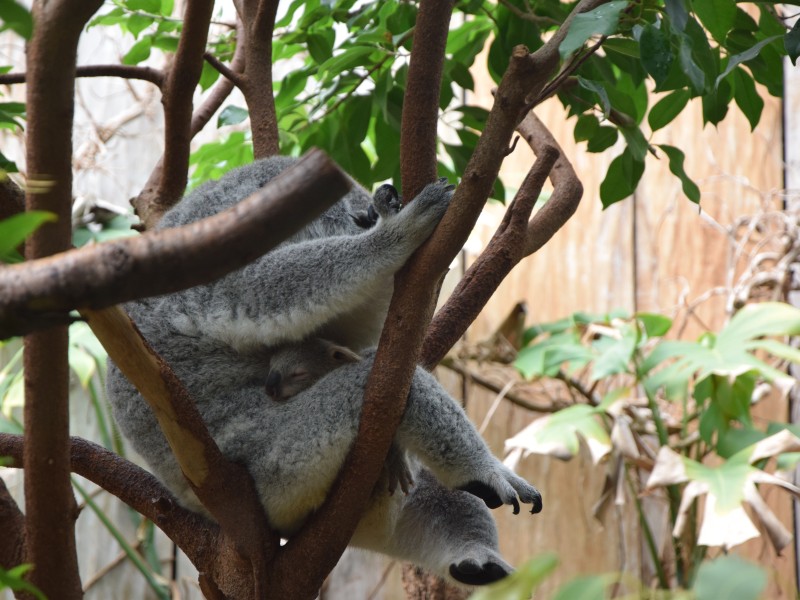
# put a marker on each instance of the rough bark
(166, 185)
(50, 506)
(258, 19)
(34, 293)
(418, 128)
(154, 76)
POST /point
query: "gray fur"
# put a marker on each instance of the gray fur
(331, 280)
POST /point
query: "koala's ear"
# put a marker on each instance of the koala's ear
(342, 354)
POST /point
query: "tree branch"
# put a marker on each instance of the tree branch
(154, 76)
(164, 261)
(504, 251)
(222, 89)
(224, 70)
(258, 19)
(166, 185)
(212, 477)
(418, 129)
(50, 507)
(515, 239)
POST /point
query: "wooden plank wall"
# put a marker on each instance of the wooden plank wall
(653, 252)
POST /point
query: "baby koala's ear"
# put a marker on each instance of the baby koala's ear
(341, 354)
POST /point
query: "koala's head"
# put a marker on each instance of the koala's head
(296, 367)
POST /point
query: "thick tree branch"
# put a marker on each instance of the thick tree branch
(418, 130)
(154, 76)
(409, 314)
(515, 239)
(50, 507)
(200, 539)
(505, 250)
(12, 521)
(222, 89)
(258, 19)
(164, 261)
(165, 186)
(212, 477)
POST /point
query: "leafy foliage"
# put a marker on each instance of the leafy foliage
(15, 229)
(13, 579)
(715, 381)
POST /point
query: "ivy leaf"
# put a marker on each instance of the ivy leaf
(604, 138)
(749, 54)
(676, 159)
(137, 23)
(696, 76)
(586, 127)
(15, 17)
(666, 109)
(676, 9)
(621, 179)
(603, 20)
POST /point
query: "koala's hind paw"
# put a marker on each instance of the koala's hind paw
(396, 471)
(471, 572)
(433, 200)
(504, 488)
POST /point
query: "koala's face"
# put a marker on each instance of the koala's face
(296, 367)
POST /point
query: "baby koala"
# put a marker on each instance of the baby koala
(296, 367)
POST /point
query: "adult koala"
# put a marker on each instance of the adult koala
(331, 280)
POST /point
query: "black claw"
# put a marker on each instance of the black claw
(485, 493)
(470, 573)
(515, 504)
(537, 504)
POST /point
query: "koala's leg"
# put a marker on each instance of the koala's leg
(437, 430)
(449, 532)
(295, 289)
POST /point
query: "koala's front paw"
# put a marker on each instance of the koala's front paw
(386, 201)
(428, 208)
(503, 486)
(472, 572)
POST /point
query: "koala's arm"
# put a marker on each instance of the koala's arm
(295, 289)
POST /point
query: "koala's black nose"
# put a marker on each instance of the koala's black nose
(273, 384)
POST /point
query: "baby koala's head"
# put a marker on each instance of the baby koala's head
(296, 367)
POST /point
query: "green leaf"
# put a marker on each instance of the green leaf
(597, 88)
(696, 76)
(138, 23)
(586, 127)
(232, 115)
(655, 325)
(15, 17)
(207, 76)
(320, 45)
(603, 20)
(792, 42)
(15, 229)
(757, 320)
(730, 577)
(717, 16)
(621, 179)
(585, 587)
(656, 53)
(676, 160)
(139, 51)
(676, 9)
(747, 97)
(666, 109)
(603, 139)
(521, 583)
(151, 6)
(715, 103)
(615, 354)
(347, 60)
(749, 54)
